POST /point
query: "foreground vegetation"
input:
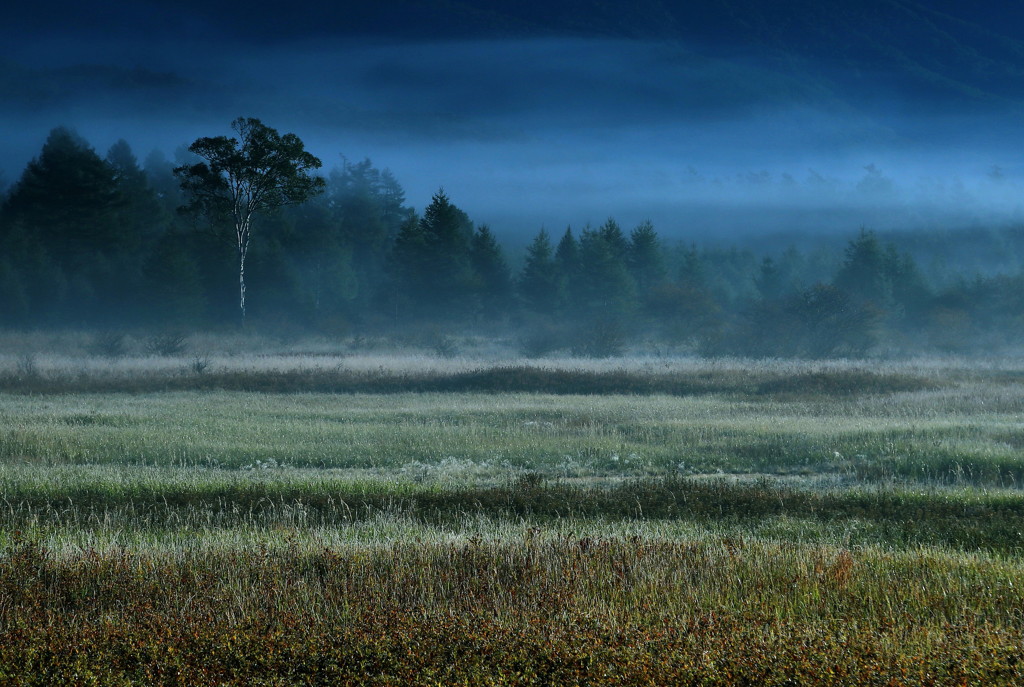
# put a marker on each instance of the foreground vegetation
(753, 524)
(537, 610)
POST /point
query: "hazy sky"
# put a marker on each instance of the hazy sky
(524, 130)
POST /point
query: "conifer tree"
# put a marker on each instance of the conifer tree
(431, 260)
(567, 263)
(140, 212)
(864, 275)
(538, 280)
(603, 287)
(63, 235)
(646, 261)
(494, 277)
(67, 199)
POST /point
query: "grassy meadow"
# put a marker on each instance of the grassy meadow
(310, 516)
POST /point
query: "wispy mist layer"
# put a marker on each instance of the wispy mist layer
(547, 132)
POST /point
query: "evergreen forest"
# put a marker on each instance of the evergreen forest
(98, 242)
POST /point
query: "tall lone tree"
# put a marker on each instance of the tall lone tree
(255, 173)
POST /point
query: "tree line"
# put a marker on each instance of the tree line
(108, 242)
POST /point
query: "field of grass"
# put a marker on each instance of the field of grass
(415, 521)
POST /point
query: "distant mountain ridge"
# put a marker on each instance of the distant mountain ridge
(943, 50)
(946, 49)
(887, 64)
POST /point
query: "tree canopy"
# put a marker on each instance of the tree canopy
(257, 172)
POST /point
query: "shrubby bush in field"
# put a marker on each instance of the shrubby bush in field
(168, 344)
(542, 339)
(604, 338)
(109, 344)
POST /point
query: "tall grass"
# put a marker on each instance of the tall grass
(961, 519)
(468, 521)
(535, 611)
(968, 435)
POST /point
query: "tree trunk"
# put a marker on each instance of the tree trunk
(241, 283)
(242, 229)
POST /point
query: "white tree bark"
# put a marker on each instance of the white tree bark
(258, 172)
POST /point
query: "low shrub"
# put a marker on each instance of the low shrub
(167, 345)
(109, 344)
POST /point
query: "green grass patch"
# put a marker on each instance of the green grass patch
(927, 436)
(960, 519)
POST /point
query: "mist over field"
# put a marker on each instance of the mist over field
(512, 342)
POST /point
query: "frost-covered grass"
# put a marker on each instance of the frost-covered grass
(75, 354)
(970, 434)
(244, 359)
(683, 521)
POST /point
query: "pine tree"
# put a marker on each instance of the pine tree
(140, 213)
(864, 275)
(364, 209)
(646, 261)
(62, 230)
(614, 237)
(430, 261)
(567, 265)
(67, 199)
(494, 277)
(604, 287)
(538, 280)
